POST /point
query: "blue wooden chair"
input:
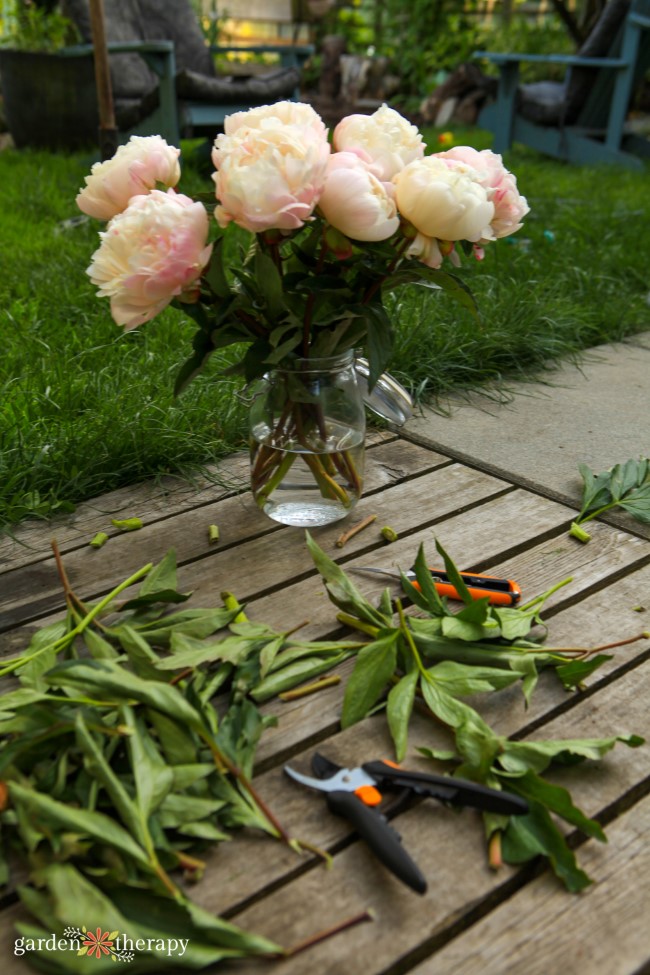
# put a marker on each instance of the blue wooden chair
(583, 118)
(162, 71)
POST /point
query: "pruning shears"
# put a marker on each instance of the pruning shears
(355, 794)
(499, 592)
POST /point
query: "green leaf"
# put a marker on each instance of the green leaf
(596, 491)
(535, 833)
(102, 828)
(445, 707)
(557, 800)
(573, 674)
(107, 680)
(295, 673)
(187, 651)
(515, 623)
(637, 503)
(142, 658)
(203, 830)
(341, 589)
(162, 576)
(373, 669)
(269, 653)
(176, 741)
(518, 757)
(185, 776)
(99, 647)
(176, 810)
(456, 628)
(190, 622)
(454, 576)
(398, 711)
(215, 275)
(97, 766)
(379, 341)
(153, 778)
(461, 680)
(625, 477)
(269, 284)
(239, 733)
(432, 601)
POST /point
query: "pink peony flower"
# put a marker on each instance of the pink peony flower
(151, 253)
(385, 140)
(134, 169)
(509, 206)
(444, 199)
(356, 202)
(271, 164)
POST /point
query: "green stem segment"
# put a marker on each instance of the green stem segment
(65, 640)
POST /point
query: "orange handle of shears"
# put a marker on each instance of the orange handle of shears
(504, 592)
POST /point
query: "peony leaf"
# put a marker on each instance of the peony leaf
(535, 833)
(398, 711)
(374, 668)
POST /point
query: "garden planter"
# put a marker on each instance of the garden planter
(49, 99)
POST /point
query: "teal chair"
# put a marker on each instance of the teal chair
(162, 71)
(583, 118)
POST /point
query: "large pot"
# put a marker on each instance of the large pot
(49, 99)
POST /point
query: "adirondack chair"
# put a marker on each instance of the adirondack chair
(583, 118)
(162, 71)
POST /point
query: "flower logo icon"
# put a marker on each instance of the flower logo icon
(98, 943)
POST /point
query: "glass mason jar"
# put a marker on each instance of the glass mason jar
(307, 431)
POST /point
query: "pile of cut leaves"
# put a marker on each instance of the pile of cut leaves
(115, 773)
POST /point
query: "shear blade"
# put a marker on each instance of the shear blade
(322, 767)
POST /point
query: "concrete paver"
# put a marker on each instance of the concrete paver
(597, 413)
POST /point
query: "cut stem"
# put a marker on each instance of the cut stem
(316, 939)
(346, 536)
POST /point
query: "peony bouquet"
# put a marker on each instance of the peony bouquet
(333, 227)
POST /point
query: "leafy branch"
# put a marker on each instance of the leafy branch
(439, 658)
(625, 486)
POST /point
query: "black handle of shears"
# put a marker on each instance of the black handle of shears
(380, 836)
(447, 788)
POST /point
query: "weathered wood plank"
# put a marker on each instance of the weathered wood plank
(267, 555)
(605, 930)
(450, 850)
(150, 501)
(483, 535)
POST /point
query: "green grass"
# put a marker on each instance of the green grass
(85, 408)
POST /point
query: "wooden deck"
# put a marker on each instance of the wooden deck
(472, 921)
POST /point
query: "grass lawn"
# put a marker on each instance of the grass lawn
(85, 408)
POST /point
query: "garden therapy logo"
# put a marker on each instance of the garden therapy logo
(100, 944)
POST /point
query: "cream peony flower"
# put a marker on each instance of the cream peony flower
(270, 172)
(151, 253)
(286, 113)
(356, 202)
(134, 169)
(385, 140)
(509, 206)
(444, 199)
